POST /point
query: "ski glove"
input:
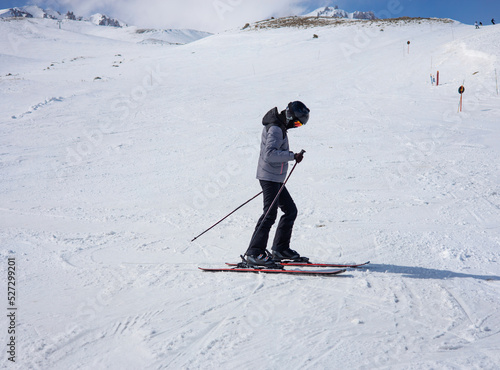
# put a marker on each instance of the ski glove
(298, 156)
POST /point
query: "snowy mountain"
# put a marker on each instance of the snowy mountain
(33, 11)
(118, 31)
(103, 20)
(115, 153)
(14, 12)
(335, 12)
(37, 12)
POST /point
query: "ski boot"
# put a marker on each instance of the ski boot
(288, 255)
(262, 260)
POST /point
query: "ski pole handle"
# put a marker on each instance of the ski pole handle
(298, 156)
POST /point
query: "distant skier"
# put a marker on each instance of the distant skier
(493, 21)
(271, 173)
(477, 25)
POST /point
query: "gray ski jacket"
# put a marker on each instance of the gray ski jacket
(274, 150)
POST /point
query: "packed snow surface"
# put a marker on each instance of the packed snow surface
(114, 154)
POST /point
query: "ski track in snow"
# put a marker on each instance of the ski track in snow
(33, 108)
(104, 183)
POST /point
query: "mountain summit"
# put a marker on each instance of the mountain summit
(335, 12)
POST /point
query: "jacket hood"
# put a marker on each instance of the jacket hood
(274, 117)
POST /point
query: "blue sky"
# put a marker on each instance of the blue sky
(465, 11)
(216, 15)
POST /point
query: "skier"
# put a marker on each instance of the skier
(477, 26)
(493, 21)
(271, 173)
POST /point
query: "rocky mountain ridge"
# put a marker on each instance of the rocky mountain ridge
(335, 12)
(33, 11)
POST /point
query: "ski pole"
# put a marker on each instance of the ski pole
(248, 201)
(218, 222)
(275, 199)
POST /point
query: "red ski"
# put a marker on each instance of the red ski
(311, 264)
(275, 271)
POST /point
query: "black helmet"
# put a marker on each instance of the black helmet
(297, 111)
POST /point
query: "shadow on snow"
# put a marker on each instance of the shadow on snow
(427, 273)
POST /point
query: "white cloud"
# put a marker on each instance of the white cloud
(207, 15)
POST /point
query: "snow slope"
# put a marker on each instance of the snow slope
(114, 155)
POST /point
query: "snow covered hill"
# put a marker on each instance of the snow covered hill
(115, 154)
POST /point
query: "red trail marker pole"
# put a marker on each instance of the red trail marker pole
(461, 90)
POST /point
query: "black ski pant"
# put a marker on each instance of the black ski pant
(283, 234)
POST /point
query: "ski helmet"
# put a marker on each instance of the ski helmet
(297, 114)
